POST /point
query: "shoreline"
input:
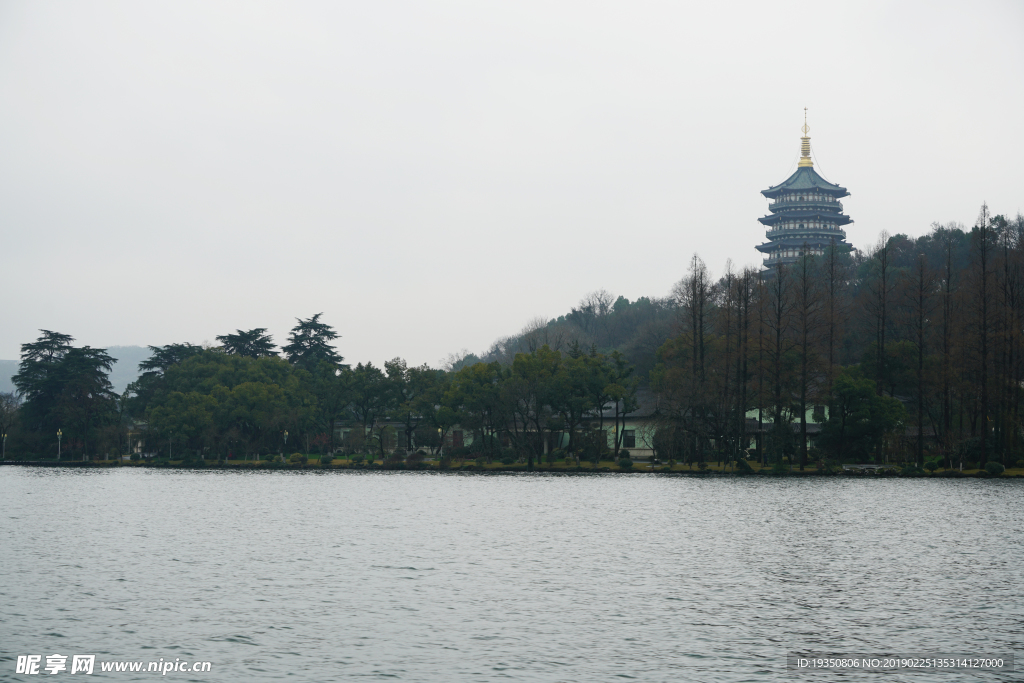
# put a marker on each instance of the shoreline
(520, 469)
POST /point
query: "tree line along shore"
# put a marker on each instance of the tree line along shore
(908, 356)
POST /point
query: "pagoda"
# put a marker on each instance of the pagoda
(806, 214)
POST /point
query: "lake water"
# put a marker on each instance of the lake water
(348, 576)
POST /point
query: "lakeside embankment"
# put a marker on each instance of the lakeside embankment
(710, 469)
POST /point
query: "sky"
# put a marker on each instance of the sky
(432, 175)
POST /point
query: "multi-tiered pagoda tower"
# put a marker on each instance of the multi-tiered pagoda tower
(806, 214)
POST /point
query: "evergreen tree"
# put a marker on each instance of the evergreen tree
(65, 387)
(309, 344)
(253, 343)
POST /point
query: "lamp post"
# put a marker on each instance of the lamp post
(284, 458)
(59, 434)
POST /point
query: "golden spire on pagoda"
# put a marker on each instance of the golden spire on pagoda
(805, 144)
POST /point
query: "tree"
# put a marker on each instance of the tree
(165, 356)
(920, 291)
(880, 290)
(622, 389)
(859, 419)
(332, 387)
(215, 400)
(835, 273)
(778, 323)
(983, 246)
(372, 395)
(37, 379)
(65, 387)
(626, 402)
(695, 299)
(416, 392)
(309, 344)
(536, 387)
(807, 306)
(254, 343)
(476, 391)
(10, 406)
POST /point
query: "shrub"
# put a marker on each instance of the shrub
(357, 459)
(624, 454)
(415, 458)
(931, 466)
(327, 458)
(743, 466)
(780, 468)
(507, 460)
(625, 463)
(480, 462)
(994, 468)
(135, 456)
(1020, 464)
(298, 458)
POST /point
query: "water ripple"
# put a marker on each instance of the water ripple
(433, 577)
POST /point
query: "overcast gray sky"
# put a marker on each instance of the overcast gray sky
(431, 175)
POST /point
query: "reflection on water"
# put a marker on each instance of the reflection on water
(429, 577)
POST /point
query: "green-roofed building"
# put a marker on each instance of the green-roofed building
(806, 214)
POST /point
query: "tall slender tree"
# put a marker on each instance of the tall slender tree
(983, 247)
(807, 308)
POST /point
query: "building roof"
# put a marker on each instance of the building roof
(647, 402)
(796, 243)
(808, 214)
(805, 178)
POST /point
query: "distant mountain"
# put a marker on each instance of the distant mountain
(126, 369)
(7, 370)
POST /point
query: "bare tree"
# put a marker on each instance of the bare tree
(694, 296)
(780, 305)
(835, 290)
(807, 308)
(983, 246)
(949, 275)
(920, 295)
(880, 291)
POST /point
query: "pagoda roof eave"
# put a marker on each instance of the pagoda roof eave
(803, 179)
(837, 218)
(797, 243)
